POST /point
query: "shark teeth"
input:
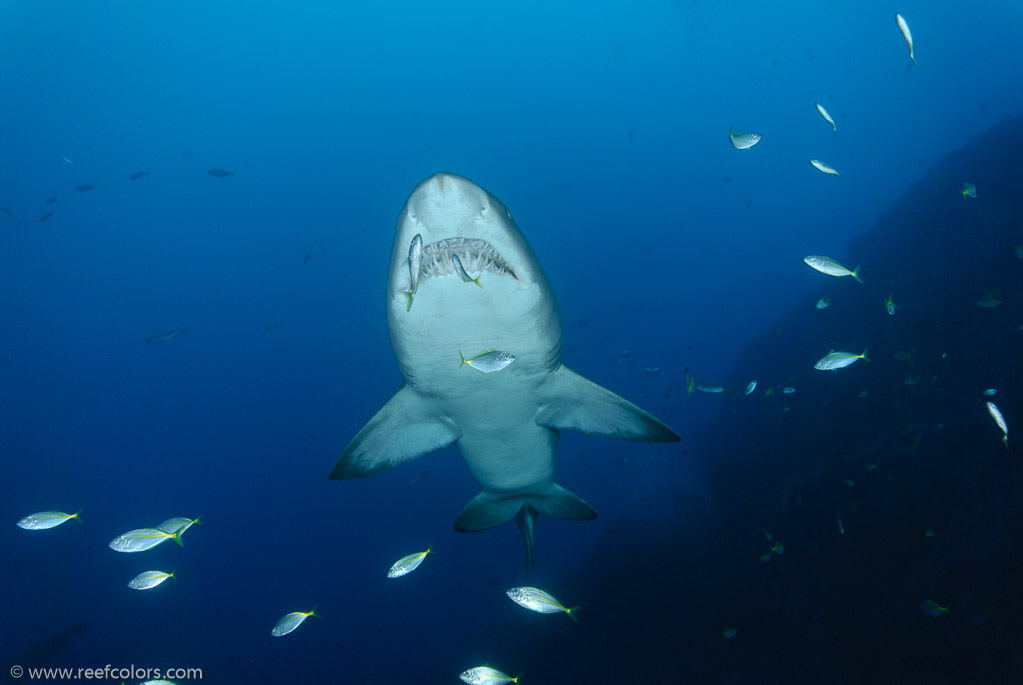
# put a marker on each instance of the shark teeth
(477, 256)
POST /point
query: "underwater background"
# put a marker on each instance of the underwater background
(603, 127)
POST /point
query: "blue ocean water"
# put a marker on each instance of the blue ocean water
(603, 128)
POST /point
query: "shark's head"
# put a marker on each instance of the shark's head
(511, 305)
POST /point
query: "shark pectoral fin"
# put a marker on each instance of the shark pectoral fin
(569, 401)
(487, 510)
(403, 429)
(559, 503)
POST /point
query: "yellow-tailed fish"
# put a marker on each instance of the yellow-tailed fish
(149, 579)
(889, 305)
(415, 265)
(690, 384)
(825, 168)
(1000, 420)
(178, 524)
(485, 675)
(904, 27)
(488, 361)
(827, 265)
(47, 519)
(827, 117)
(537, 600)
(292, 621)
(407, 564)
(703, 386)
(141, 539)
(969, 190)
(742, 141)
(839, 360)
(824, 303)
(932, 608)
(460, 270)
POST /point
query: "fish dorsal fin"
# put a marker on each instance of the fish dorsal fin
(404, 428)
(570, 402)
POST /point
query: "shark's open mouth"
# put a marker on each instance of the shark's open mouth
(476, 255)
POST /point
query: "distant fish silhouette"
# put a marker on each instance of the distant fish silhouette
(272, 327)
(44, 652)
(51, 200)
(84, 187)
(46, 217)
(220, 173)
(137, 175)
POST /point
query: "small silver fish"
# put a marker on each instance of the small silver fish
(65, 160)
(415, 265)
(488, 360)
(990, 391)
(137, 175)
(841, 528)
(10, 215)
(292, 621)
(904, 27)
(460, 270)
(407, 564)
(969, 190)
(838, 360)
(788, 391)
(485, 675)
(537, 600)
(45, 520)
(149, 579)
(742, 141)
(827, 265)
(311, 252)
(824, 302)
(165, 336)
(751, 387)
(1000, 420)
(825, 168)
(708, 387)
(141, 539)
(178, 524)
(827, 118)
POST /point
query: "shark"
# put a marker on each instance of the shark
(505, 424)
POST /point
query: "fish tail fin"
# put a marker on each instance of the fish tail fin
(913, 59)
(526, 520)
(1005, 441)
(173, 575)
(864, 356)
(409, 294)
(177, 539)
(477, 280)
(516, 678)
(314, 614)
(463, 359)
(77, 515)
(571, 612)
(856, 274)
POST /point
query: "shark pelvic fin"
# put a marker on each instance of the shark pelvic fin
(570, 402)
(403, 429)
(487, 510)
